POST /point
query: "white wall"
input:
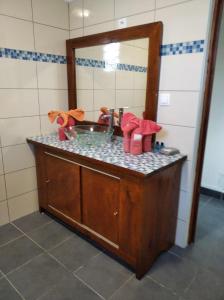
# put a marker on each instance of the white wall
(213, 170)
(28, 90)
(181, 75)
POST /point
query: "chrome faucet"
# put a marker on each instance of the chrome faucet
(121, 112)
(111, 119)
(110, 116)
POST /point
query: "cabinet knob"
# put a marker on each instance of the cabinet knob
(47, 180)
(115, 213)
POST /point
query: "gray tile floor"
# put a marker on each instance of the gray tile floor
(41, 259)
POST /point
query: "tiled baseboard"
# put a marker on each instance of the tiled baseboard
(212, 193)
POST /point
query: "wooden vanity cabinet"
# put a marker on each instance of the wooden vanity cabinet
(130, 214)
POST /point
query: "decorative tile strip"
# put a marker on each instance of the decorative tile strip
(169, 49)
(183, 48)
(34, 56)
(87, 62)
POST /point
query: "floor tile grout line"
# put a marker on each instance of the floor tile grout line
(59, 262)
(13, 240)
(24, 264)
(89, 286)
(162, 285)
(45, 250)
(59, 244)
(191, 282)
(45, 293)
(126, 281)
(17, 227)
(12, 285)
(79, 268)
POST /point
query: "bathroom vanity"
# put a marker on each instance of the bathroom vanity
(127, 204)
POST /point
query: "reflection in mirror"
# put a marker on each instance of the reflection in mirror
(112, 75)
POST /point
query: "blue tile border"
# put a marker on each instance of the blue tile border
(33, 56)
(94, 63)
(169, 49)
(183, 48)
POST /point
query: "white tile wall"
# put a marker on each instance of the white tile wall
(76, 33)
(18, 103)
(139, 98)
(76, 14)
(2, 188)
(125, 8)
(104, 96)
(46, 126)
(51, 12)
(15, 130)
(99, 11)
(104, 80)
(184, 206)
(19, 34)
(164, 3)
(11, 154)
(28, 90)
(181, 233)
(124, 80)
(185, 22)
(85, 99)
(182, 110)
(17, 74)
(21, 182)
(52, 76)
(135, 20)
(19, 9)
(124, 98)
(107, 26)
(85, 78)
(23, 205)
(179, 137)
(185, 75)
(50, 40)
(52, 100)
(4, 215)
(1, 163)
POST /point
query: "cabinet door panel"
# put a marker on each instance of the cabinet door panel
(100, 195)
(63, 187)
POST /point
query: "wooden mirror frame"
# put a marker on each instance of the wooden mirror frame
(153, 31)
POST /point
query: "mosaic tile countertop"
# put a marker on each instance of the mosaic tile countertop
(112, 153)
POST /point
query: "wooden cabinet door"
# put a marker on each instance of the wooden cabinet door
(100, 197)
(63, 187)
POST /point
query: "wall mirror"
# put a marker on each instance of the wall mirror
(116, 69)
